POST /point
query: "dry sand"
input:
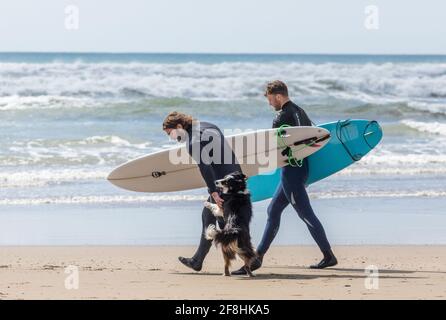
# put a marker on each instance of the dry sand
(405, 272)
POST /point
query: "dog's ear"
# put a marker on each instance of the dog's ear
(240, 175)
(243, 176)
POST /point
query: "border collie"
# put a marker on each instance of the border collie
(234, 238)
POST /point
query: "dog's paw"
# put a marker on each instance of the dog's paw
(210, 232)
(215, 209)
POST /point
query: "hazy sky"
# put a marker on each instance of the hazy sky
(227, 26)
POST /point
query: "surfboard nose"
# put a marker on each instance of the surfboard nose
(111, 175)
(114, 174)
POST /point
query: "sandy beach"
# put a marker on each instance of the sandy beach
(92, 112)
(74, 109)
(153, 272)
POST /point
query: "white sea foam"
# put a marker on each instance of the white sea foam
(411, 160)
(380, 163)
(29, 84)
(436, 128)
(42, 163)
(378, 194)
(101, 199)
(144, 199)
(44, 177)
(17, 102)
(393, 170)
(93, 150)
(432, 107)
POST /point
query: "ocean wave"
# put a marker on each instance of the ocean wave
(392, 170)
(45, 177)
(101, 199)
(418, 157)
(435, 128)
(408, 159)
(375, 164)
(410, 128)
(394, 109)
(378, 194)
(93, 150)
(415, 154)
(170, 198)
(42, 102)
(57, 108)
(370, 82)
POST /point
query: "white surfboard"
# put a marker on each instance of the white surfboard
(257, 152)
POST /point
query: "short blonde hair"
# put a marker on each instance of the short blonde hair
(276, 87)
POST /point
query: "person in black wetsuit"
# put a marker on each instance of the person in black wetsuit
(291, 188)
(200, 138)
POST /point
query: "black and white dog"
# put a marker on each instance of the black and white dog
(234, 238)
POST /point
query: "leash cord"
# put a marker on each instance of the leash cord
(292, 161)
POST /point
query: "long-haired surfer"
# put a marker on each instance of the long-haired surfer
(198, 135)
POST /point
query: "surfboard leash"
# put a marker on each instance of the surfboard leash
(292, 160)
(339, 126)
(366, 134)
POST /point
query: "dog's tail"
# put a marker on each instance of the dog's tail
(225, 237)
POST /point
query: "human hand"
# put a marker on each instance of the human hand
(219, 201)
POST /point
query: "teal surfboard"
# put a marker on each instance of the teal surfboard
(350, 141)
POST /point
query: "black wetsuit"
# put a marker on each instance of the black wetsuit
(291, 189)
(211, 168)
(292, 115)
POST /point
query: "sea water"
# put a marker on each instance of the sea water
(67, 119)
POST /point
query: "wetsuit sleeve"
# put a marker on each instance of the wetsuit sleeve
(206, 170)
(299, 117)
(208, 175)
(304, 119)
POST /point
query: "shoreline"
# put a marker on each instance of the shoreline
(153, 272)
(346, 221)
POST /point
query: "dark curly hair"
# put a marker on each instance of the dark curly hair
(174, 118)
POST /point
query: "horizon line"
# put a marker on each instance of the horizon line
(222, 53)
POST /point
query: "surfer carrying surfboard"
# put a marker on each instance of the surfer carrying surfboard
(198, 135)
(291, 188)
